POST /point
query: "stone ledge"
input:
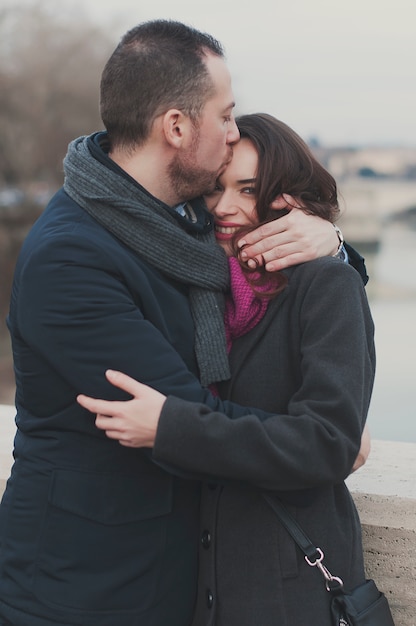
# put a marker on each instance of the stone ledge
(390, 558)
(384, 491)
(390, 471)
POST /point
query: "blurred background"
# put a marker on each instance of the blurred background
(342, 75)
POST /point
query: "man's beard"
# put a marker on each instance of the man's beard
(187, 179)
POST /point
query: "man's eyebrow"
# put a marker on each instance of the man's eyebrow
(229, 107)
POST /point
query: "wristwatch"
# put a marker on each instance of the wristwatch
(340, 253)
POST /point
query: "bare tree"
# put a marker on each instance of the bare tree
(50, 67)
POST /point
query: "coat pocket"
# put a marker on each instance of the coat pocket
(103, 540)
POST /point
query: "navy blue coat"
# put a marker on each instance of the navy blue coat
(92, 532)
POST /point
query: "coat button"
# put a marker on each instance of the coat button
(206, 539)
(210, 599)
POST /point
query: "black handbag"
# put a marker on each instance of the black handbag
(363, 606)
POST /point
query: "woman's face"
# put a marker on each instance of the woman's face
(233, 201)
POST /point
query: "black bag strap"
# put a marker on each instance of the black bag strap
(292, 527)
(313, 555)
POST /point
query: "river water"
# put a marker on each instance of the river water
(392, 294)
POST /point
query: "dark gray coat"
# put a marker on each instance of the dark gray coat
(311, 361)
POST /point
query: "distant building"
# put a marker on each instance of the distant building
(371, 162)
(376, 186)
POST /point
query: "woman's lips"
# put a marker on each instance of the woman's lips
(226, 231)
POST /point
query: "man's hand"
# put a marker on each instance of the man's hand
(132, 422)
(292, 239)
(364, 450)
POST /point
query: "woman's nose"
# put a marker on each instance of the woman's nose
(224, 206)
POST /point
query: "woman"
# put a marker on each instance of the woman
(304, 350)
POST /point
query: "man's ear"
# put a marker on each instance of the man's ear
(177, 128)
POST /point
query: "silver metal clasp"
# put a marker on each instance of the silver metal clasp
(331, 582)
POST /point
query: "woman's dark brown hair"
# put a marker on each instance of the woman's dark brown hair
(285, 165)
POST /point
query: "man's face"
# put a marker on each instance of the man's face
(194, 171)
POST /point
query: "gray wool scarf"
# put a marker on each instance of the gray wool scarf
(145, 225)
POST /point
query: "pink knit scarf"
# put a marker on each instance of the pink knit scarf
(243, 309)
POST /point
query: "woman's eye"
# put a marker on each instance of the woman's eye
(250, 191)
(214, 192)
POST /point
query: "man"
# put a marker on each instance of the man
(121, 270)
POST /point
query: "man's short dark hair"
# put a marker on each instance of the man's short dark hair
(158, 65)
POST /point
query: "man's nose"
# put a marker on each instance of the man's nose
(233, 134)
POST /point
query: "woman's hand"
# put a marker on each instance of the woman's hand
(364, 450)
(294, 238)
(132, 422)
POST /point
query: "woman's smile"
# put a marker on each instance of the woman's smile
(226, 230)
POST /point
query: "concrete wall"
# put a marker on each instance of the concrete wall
(385, 494)
(384, 491)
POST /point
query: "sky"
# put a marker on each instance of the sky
(343, 72)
